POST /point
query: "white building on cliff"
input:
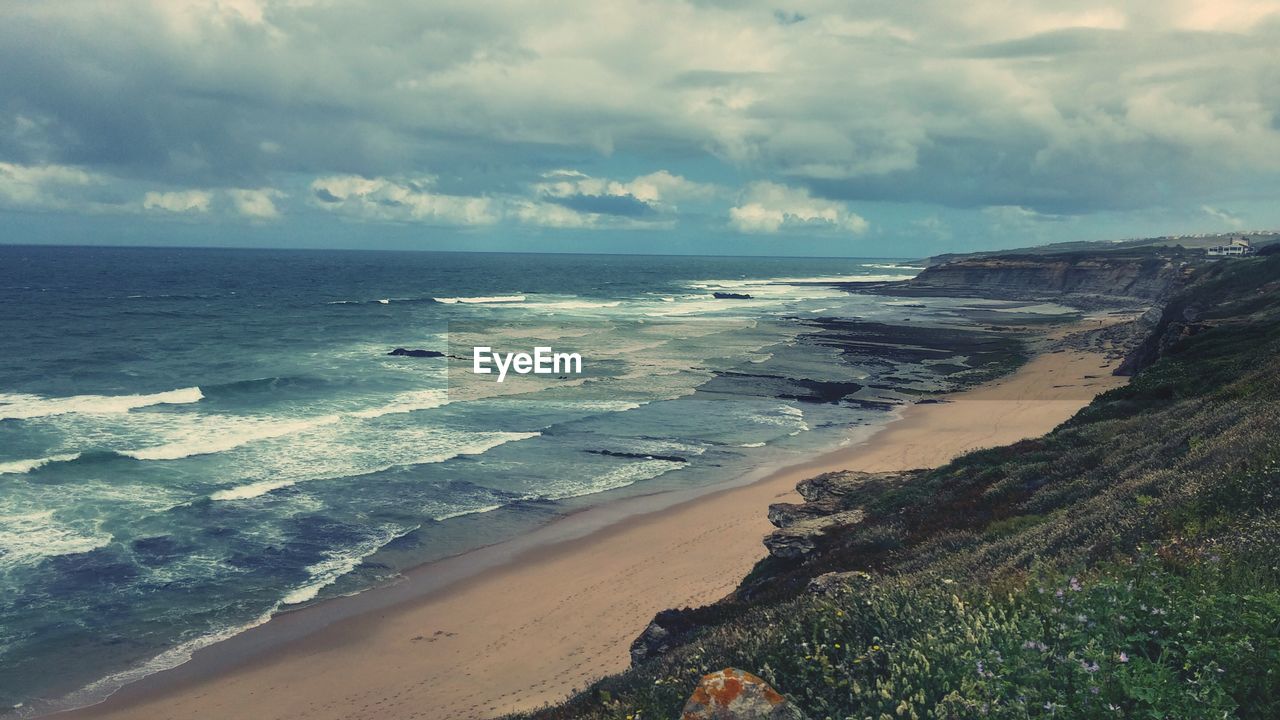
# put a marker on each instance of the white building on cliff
(1238, 247)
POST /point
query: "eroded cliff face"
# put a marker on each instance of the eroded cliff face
(1086, 281)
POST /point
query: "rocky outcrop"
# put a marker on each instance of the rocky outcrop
(730, 296)
(831, 503)
(733, 694)
(1178, 320)
(801, 538)
(668, 629)
(405, 352)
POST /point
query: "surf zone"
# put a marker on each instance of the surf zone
(542, 361)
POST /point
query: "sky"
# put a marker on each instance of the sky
(860, 129)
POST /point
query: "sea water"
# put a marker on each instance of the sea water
(193, 440)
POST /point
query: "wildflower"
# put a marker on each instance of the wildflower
(1075, 585)
(1124, 657)
(1058, 594)
(1094, 689)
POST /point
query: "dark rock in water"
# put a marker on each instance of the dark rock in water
(932, 401)
(403, 352)
(733, 694)
(638, 456)
(730, 296)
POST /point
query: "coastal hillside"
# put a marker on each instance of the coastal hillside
(1089, 280)
(1125, 565)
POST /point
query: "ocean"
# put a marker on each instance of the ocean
(192, 440)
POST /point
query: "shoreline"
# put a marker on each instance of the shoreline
(447, 641)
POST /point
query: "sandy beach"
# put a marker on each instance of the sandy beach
(543, 621)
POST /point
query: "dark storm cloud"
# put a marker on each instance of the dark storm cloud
(620, 205)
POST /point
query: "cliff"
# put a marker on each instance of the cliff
(1086, 281)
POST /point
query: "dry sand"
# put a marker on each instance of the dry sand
(549, 620)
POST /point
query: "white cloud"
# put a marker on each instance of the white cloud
(258, 204)
(769, 207)
(657, 188)
(551, 215)
(402, 200)
(41, 186)
(178, 201)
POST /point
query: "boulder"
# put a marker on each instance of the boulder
(733, 694)
(731, 296)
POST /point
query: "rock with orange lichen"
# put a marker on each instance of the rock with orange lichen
(733, 694)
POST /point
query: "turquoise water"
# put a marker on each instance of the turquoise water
(192, 440)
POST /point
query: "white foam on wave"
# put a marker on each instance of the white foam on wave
(479, 444)
(893, 266)
(28, 538)
(473, 511)
(20, 467)
(199, 439)
(481, 300)
(752, 445)
(323, 574)
(621, 477)
(575, 305)
(783, 416)
(22, 406)
(340, 562)
(408, 402)
(102, 689)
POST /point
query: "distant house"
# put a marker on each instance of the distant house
(1238, 247)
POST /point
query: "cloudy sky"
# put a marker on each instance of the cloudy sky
(866, 128)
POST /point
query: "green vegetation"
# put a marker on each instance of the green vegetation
(1125, 565)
